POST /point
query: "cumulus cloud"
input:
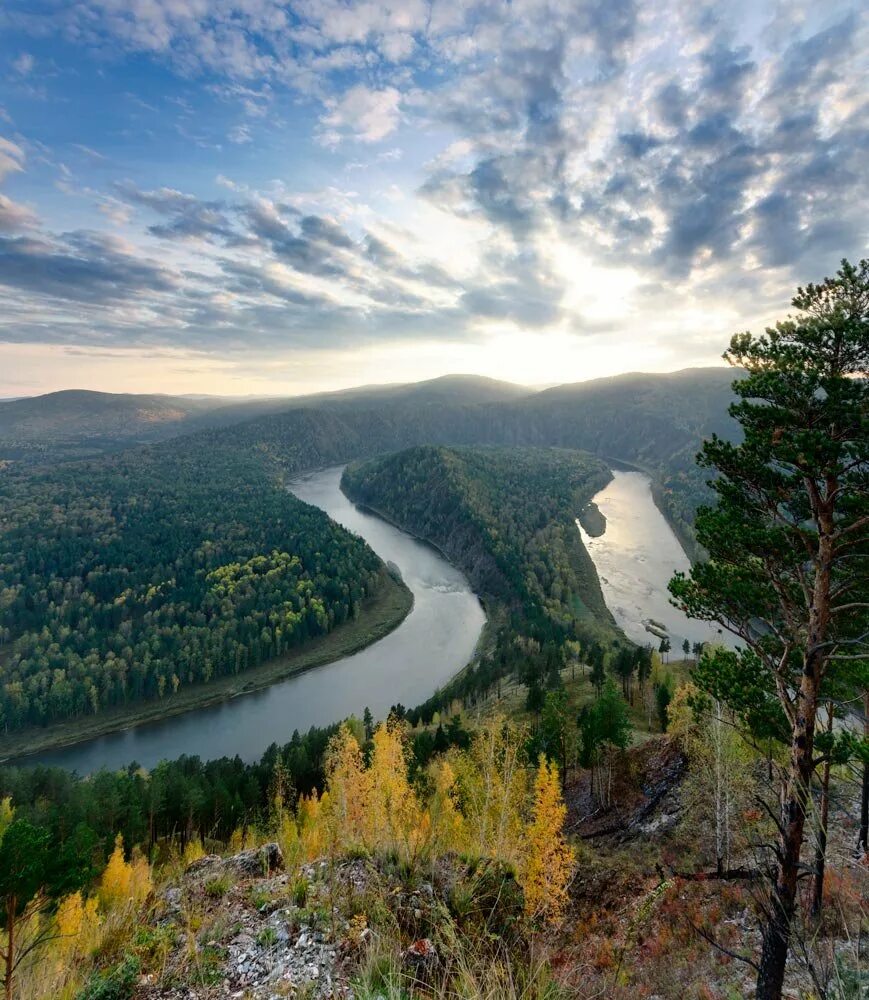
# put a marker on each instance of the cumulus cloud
(361, 113)
(699, 156)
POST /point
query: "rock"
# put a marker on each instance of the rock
(421, 958)
(203, 864)
(255, 863)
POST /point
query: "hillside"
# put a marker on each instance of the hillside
(654, 421)
(506, 517)
(78, 423)
(503, 515)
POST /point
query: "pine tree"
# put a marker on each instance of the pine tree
(788, 544)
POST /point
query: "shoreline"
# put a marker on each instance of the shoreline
(380, 615)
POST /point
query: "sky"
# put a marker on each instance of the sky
(261, 198)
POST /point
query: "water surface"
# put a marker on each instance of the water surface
(635, 559)
(433, 643)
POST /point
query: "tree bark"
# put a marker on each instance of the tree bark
(821, 845)
(11, 905)
(863, 834)
(782, 903)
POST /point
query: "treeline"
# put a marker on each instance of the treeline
(188, 797)
(126, 578)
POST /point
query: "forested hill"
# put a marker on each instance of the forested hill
(506, 516)
(655, 421)
(127, 578)
(78, 423)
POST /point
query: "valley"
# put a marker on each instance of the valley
(431, 637)
(434, 500)
(187, 623)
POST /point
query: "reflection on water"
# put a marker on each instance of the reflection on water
(635, 558)
(433, 643)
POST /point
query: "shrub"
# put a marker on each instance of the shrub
(117, 983)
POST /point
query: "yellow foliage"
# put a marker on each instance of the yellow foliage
(7, 814)
(193, 851)
(493, 790)
(287, 835)
(349, 786)
(681, 722)
(77, 925)
(547, 867)
(447, 823)
(394, 815)
(124, 881)
(311, 833)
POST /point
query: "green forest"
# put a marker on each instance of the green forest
(507, 518)
(504, 515)
(128, 577)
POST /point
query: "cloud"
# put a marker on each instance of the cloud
(189, 217)
(24, 64)
(240, 134)
(11, 158)
(700, 161)
(361, 113)
(81, 266)
(14, 217)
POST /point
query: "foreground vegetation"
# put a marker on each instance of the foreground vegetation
(428, 862)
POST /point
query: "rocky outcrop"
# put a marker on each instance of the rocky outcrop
(247, 864)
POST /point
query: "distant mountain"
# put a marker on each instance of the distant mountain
(76, 423)
(654, 421)
(81, 422)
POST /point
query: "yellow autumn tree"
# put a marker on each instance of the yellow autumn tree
(124, 881)
(547, 867)
(446, 821)
(311, 837)
(493, 789)
(77, 925)
(394, 815)
(349, 786)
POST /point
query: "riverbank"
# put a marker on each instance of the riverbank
(379, 615)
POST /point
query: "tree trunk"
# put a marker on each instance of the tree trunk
(821, 845)
(11, 905)
(863, 834)
(782, 904)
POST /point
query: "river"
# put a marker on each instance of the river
(635, 558)
(430, 646)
